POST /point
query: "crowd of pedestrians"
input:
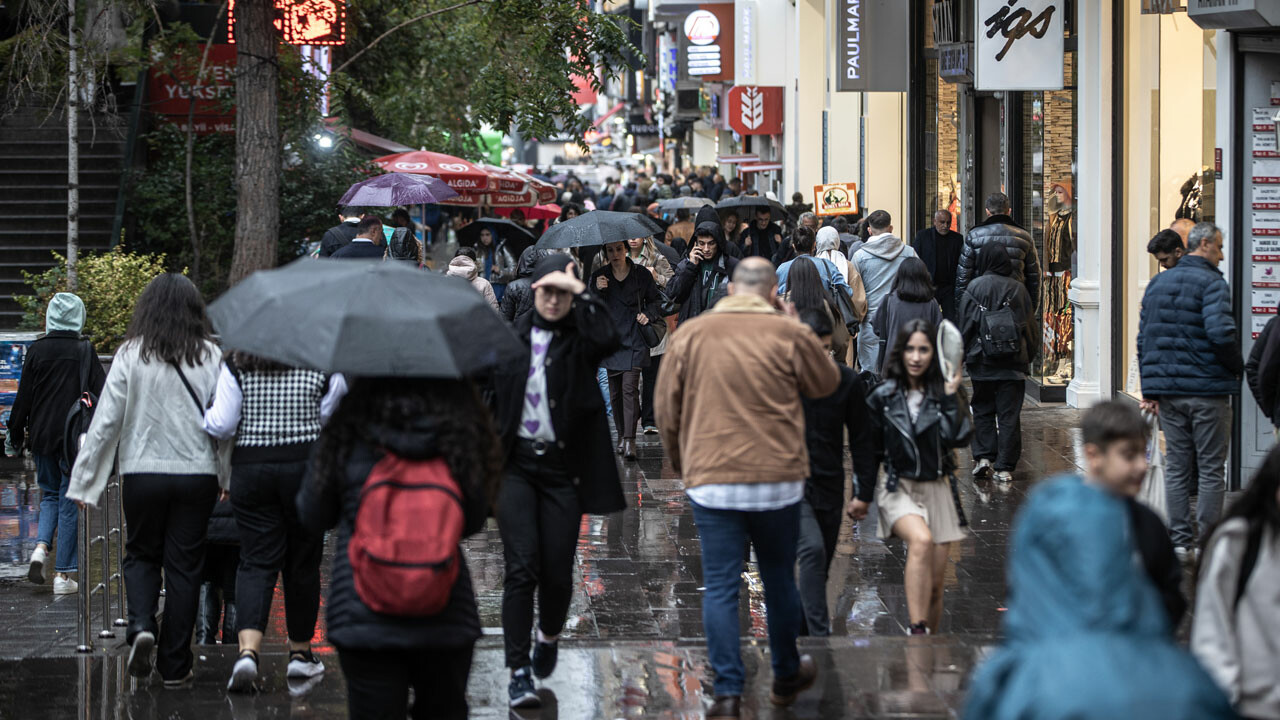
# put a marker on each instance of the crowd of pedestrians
(767, 350)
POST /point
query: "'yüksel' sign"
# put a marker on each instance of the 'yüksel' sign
(872, 41)
(1018, 44)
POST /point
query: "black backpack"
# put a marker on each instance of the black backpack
(999, 334)
(80, 414)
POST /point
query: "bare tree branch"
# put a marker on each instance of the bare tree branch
(191, 143)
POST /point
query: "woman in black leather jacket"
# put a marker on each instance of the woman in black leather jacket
(918, 419)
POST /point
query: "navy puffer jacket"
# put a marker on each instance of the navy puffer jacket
(1187, 340)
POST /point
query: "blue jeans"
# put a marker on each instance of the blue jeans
(724, 534)
(57, 513)
(602, 379)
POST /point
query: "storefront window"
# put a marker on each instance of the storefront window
(1048, 208)
(1170, 72)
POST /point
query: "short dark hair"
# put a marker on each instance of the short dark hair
(913, 282)
(466, 251)
(682, 214)
(998, 203)
(351, 211)
(1165, 241)
(841, 224)
(802, 240)
(1113, 421)
(367, 223)
(817, 320)
(735, 180)
(879, 220)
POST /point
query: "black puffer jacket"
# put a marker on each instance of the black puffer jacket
(688, 287)
(352, 625)
(517, 301)
(991, 290)
(919, 450)
(1017, 243)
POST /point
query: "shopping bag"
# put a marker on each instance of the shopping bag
(1152, 492)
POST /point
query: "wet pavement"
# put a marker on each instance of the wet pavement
(632, 647)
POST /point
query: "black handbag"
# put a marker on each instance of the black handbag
(844, 304)
(656, 330)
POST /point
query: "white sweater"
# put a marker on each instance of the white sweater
(147, 420)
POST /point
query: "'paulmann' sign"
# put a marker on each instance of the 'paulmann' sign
(871, 46)
(1018, 44)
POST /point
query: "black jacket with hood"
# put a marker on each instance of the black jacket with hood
(1001, 230)
(517, 301)
(351, 624)
(994, 287)
(697, 286)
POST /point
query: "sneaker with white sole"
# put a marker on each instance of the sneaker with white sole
(244, 673)
(1003, 476)
(181, 682)
(38, 557)
(522, 692)
(983, 468)
(63, 585)
(650, 429)
(140, 654)
(302, 664)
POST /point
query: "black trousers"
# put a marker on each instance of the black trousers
(378, 683)
(167, 518)
(218, 594)
(624, 395)
(273, 542)
(819, 532)
(648, 379)
(538, 517)
(997, 422)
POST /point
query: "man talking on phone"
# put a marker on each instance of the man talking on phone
(701, 279)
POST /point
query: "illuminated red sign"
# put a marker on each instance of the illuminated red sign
(303, 22)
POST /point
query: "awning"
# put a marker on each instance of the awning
(759, 167)
(735, 159)
(366, 140)
(612, 111)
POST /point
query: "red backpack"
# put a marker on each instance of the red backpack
(404, 550)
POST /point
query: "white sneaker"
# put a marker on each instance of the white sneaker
(982, 469)
(1186, 555)
(38, 558)
(303, 665)
(1004, 476)
(63, 585)
(244, 673)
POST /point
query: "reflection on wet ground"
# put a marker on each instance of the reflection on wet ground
(632, 646)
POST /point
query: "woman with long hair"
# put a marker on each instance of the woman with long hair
(910, 298)
(414, 420)
(918, 419)
(1236, 627)
(644, 253)
(274, 413)
(150, 419)
(805, 290)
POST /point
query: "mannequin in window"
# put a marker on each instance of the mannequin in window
(1059, 250)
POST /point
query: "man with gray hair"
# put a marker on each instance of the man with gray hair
(729, 410)
(1190, 363)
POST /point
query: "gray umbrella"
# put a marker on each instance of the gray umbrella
(364, 317)
(683, 203)
(597, 227)
(393, 189)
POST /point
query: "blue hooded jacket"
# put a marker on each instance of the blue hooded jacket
(1086, 635)
(1187, 339)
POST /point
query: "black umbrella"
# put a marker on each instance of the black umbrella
(516, 236)
(364, 317)
(745, 206)
(598, 227)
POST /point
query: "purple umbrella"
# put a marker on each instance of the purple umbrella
(394, 189)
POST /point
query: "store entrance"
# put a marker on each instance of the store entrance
(988, 152)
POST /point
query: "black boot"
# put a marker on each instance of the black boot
(207, 615)
(229, 629)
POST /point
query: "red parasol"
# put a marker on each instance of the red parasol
(538, 212)
(503, 180)
(465, 177)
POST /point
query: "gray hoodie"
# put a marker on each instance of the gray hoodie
(877, 261)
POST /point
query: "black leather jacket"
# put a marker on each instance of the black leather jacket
(919, 450)
(1016, 241)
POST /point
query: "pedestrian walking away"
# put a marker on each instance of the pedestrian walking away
(732, 424)
(273, 412)
(806, 291)
(216, 611)
(1082, 620)
(940, 249)
(1000, 229)
(998, 324)
(340, 235)
(911, 297)
(826, 420)
(517, 301)
(150, 421)
(918, 419)
(877, 263)
(1190, 364)
(1236, 629)
(58, 367)
(558, 463)
(404, 470)
(369, 242)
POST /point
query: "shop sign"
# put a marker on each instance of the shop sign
(1162, 7)
(638, 125)
(1266, 197)
(1266, 171)
(755, 110)
(170, 95)
(1265, 301)
(872, 40)
(746, 14)
(1019, 44)
(835, 199)
(303, 22)
(1266, 275)
(1234, 14)
(708, 43)
(955, 63)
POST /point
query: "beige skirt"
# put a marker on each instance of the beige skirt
(930, 500)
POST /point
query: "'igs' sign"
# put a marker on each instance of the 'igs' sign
(1018, 44)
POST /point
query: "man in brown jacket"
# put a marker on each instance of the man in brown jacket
(728, 407)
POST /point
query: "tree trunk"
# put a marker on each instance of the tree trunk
(257, 140)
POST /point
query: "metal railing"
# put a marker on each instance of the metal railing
(110, 534)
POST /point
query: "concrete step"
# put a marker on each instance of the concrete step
(89, 192)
